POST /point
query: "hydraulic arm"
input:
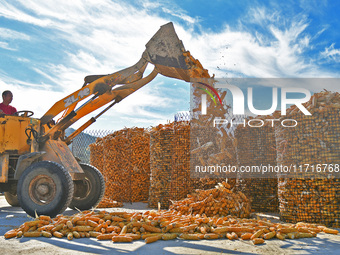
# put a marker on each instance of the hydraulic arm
(164, 51)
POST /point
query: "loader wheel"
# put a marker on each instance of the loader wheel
(90, 191)
(12, 199)
(45, 188)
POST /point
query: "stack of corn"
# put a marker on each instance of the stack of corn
(257, 147)
(123, 158)
(115, 174)
(139, 164)
(220, 201)
(210, 146)
(310, 200)
(181, 183)
(227, 155)
(204, 146)
(97, 155)
(161, 151)
(311, 193)
(170, 165)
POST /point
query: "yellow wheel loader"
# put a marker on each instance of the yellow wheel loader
(38, 171)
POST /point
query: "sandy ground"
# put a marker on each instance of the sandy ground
(11, 217)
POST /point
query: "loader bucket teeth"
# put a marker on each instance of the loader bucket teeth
(165, 51)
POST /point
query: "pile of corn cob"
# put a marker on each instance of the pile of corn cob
(109, 203)
(220, 201)
(152, 226)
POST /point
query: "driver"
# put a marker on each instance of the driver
(5, 108)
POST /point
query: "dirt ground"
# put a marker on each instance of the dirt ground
(11, 217)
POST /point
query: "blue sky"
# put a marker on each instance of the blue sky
(47, 47)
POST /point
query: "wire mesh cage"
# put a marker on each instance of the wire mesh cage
(312, 192)
(257, 147)
(80, 144)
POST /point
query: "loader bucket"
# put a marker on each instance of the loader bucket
(168, 54)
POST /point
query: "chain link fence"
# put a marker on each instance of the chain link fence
(182, 116)
(80, 145)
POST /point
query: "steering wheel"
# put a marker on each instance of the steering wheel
(25, 113)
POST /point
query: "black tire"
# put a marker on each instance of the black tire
(12, 199)
(45, 188)
(89, 192)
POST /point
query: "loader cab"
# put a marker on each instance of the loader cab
(17, 133)
(17, 137)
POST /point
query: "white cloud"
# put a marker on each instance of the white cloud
(23, 60)
(262, 16)
(9, 11)
(108, 35)
(11, 34)
(331, 54)
(6, 46)
(281, 50)
(169, 7)
(180, 15)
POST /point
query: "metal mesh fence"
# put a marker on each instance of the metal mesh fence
(80, 145)
(182, 116)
